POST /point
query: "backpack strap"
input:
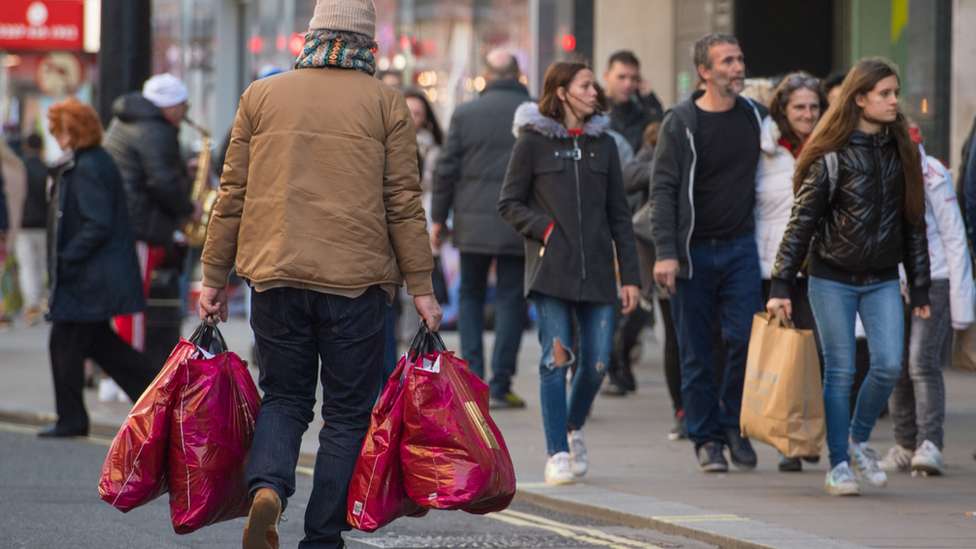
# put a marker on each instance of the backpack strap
(833, 172)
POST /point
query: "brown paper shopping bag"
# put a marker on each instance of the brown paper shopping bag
(964, 349)
(782, 403)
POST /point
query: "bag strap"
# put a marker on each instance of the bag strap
(833, 173)
(204, 334)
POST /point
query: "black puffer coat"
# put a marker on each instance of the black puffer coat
(582, 192)
(93, 265)
(861, 236)
(146, 149)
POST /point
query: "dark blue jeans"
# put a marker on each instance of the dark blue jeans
(510, 311)
(293, 329)
(726, 281)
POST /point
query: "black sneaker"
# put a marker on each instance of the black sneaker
(613, 387)
(740, 449)
(710, 458)
(508, 400)
(790, 465)
(811, 459)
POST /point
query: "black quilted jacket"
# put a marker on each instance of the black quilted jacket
(859, 235)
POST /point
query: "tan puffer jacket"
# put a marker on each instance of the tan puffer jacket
(321, 187)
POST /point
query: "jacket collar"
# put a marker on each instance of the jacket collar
(689, 116)
(507, 85)
(879, 139)
(527, 117)
(769, 140)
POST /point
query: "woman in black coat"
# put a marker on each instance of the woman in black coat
(94, 270)
(565, 195)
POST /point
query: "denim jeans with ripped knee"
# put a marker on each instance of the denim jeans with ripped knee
(560, 414)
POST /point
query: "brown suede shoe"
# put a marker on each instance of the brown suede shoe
(261, 531)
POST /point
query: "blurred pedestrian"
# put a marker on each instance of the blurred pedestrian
(917, 403)
(830, 87)
(628, 115)
(13, 193)
(94, 269)
(858, 219)
(319, 208)
(143, 140)
(468, 179)
(32, 241)
(637, 181)
(794, 111)
(564, 193)
(392, 78)
(703, 198)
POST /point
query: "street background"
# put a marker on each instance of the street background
(633, 467)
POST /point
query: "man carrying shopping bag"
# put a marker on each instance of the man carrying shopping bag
(319, 208)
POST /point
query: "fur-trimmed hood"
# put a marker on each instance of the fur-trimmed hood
(527, 117)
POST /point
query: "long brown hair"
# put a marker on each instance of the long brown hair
(560, 75)
(781, 99)
(833, 133)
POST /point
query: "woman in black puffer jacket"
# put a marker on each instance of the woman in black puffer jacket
(858, 222)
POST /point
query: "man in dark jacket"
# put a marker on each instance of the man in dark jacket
(703, 197)
(629, 112)
(468, 178)
(32, 239)
(143, 141)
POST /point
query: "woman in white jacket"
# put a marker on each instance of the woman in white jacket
(794, 111)
(917, 404)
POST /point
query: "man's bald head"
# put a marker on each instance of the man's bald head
(501, 65)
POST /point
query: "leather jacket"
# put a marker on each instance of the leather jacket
(856, 234)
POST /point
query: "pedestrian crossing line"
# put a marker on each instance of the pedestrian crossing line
(307, 471)
(586, 530)
(588, 535)
(699, 518)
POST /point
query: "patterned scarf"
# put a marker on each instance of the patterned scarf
(321, 52)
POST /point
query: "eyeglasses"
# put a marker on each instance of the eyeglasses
(803, 80)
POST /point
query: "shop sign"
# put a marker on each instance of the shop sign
(36, 25)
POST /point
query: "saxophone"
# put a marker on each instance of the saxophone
(196, 233)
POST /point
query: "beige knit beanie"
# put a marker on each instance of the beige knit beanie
(345, 15)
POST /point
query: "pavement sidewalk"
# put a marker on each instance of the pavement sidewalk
(637, 477)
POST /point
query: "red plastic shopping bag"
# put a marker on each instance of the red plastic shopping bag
(376, 495)
(454, 456)
(136, 469)
(210, 439)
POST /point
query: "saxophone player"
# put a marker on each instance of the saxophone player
(142, 138)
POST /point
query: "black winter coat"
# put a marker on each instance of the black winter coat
(590, 209)
(861, 235)
(94, 265)
(471, 169)
(146, 149)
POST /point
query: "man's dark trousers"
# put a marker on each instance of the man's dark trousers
(510, 311)
(726, 281)
(293, 329)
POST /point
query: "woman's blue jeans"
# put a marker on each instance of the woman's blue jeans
(595, 339)
(835, 306)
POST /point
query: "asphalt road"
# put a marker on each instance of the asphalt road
(49, 499)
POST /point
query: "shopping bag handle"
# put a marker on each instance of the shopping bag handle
(426, 341)
(203, 336)
(781, 318)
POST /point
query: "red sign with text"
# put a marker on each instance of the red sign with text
(37, 25)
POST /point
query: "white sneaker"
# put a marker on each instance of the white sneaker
(577, 453)
(864, 461)
(928, 459)
(841, 481)
(897, 459)
(109, 391)
(558, 471)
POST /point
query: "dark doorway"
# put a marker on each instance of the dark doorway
(778, 37)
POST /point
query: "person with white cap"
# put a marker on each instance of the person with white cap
(319, 208)
(143, 141)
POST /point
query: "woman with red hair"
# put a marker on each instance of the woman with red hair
(94, 273)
